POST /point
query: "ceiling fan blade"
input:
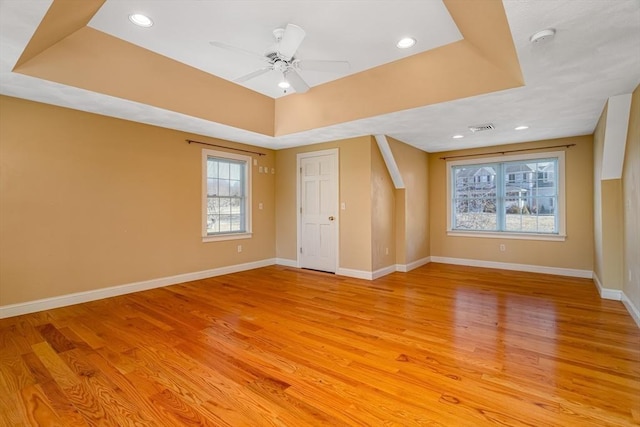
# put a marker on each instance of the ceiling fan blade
(296, 81)
(291, 40)
(253, 74)
(320, 65)
(238, 50)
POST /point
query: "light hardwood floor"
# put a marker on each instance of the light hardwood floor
(441, 345)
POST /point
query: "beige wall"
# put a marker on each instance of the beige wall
(88, 202)
(631, 205)
(412, 206)
(576, 252)
(381, 226)
(354, 187)
(383, 223)
(608, 219)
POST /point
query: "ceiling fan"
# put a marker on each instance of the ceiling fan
(281, 57)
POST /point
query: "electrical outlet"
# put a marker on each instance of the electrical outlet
(343, 206)
(386, 251)
(502, 247)
(239, 248)
(260, 205)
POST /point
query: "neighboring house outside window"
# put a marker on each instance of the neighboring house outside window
(226, 196)
(508, 196)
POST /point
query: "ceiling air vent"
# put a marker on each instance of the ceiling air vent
(481, 128)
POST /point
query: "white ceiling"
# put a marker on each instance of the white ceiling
(336, 30)
(595, 55)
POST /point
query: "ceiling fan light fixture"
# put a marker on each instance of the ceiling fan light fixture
(284, 84)
(140, 20)
(406, 43)
(458, 136)
(523, 127)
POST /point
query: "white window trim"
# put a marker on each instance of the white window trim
(562, 212)
(206, 153)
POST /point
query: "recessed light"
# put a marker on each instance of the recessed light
(406, 43)
(284, 85)
(141, 20)
(457, 136)
(521, 127)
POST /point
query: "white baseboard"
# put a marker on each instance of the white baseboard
(571, 272)
(357, 274)
(606, 293)
(367, 275)
(412, 265)
(631, 308)
(80, 297)
(287, 262)
(617, 295)
(383, 271)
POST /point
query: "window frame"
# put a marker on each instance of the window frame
(223, 155)
(561, 198)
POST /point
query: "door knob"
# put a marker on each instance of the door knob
(331, 218)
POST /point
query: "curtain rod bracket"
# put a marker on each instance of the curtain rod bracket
(224, 146)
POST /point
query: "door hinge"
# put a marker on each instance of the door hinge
(301, 171)
(300, 250)
(300, 209)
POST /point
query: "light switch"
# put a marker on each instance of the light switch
(343, 206)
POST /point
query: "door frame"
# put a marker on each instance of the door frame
(336, 237)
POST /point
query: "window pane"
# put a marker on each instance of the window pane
(235, 189)
(518, 215)
(225, 206)
(212, 215)
(546, 207)
(235, 222)
(234, 171)
(213, 206)
(223, 187)
(223, 172)
(475, 214)
(225, 223)
(476, 221)
(212, 186)
(236, 206)
(212, 168)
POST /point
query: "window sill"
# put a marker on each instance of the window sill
(505, 235)
(222, 237)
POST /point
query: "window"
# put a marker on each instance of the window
(226, 196)
(517, 196)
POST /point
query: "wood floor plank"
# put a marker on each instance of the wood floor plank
(37, 409)
(278, 346)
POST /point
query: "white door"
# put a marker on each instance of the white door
(318, 210)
